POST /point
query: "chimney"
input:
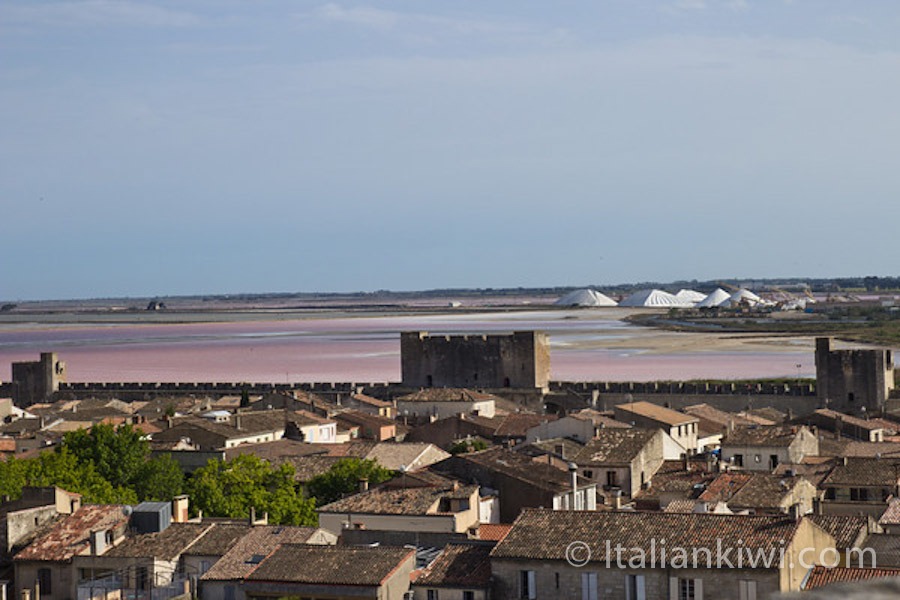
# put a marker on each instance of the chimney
(838, 426)
(617, 500)
(561, 450)
(573, 474)
(730, 425)
(180, 509)
(363, 484)
(26, 594)
(237, 421)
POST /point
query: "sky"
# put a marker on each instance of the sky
(223, 146)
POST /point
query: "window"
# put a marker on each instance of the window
(739, 460)
(589, 586)
(773, 461)
(588, 474)
(556, 577)
(685, 589)
(45, 580)
(229, 592)
(635, 587)
(611, 479)
(527, 587)
(747, 589)
(468, 595)
(432, 595)
(204, 566)
(757, 458)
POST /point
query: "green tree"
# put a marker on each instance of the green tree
(62, 468)
(230, 489)
(118, 454)
(160, 478)
(343, 479)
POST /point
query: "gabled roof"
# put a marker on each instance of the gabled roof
(862, 472)
(518, 465)
(331, 565)
(724, 487)
(614, 446)
(540, 534)
(762, 436)
(845, 529)
(70, 536)
(656, 412)
(834, 415)
(260, 541)
(416, 501)
(447, 395)
(459, 566)
(764, 490)
(218, 540)
(821, 577)
(167, 544)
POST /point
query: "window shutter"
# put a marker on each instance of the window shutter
(532, 590)
(639, 585)
(698, 589)
(673, 588)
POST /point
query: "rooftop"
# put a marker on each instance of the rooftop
(459, 565)
(218, 540)
(401, 501)
(880, 472)
(446, 395)
(70, 536)
(658, 413)
(823, 576)
(614, 446)
(540, 534)
(766, 435)
(331, 565)
(845, 529)
(237, 563)
(166, 545)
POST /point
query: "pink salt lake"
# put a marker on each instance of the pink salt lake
(585, 345)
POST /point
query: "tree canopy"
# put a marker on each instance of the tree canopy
(343, 479)
(232, 488)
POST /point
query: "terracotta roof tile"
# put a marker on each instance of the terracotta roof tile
(237, 563)
(459, 565)
(331, 565)
(881, 472)
(614, 446)
(399, 501)
(823, 576)
(773, 435)
(493, 531)
(71, 535)
(656, 412)
(218, 540)
(845, 529)
(447, 395)
(540, 534)
(165, 545)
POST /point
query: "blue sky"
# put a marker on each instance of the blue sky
(217, 146)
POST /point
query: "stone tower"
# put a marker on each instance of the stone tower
(853, 381)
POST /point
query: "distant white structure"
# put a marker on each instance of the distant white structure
(690, 297)
(744, 296)
(652, 299)
(718, 298)
(585, 297)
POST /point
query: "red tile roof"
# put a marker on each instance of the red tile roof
(71, 535)
(823, 576)
(493, 531)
